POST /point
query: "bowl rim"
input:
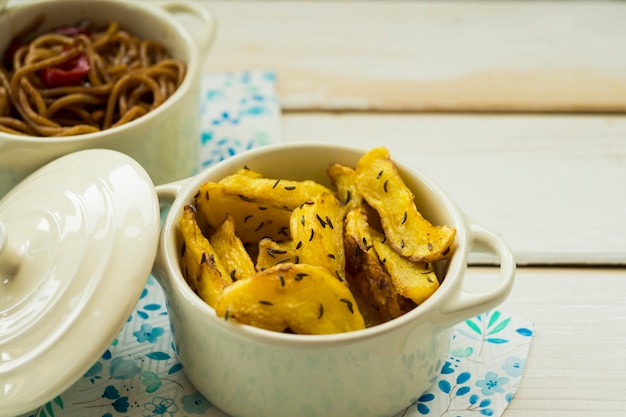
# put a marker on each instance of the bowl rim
(192, 67)
(425, 313)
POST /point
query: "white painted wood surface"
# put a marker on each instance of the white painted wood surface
(431, 55)
(575, 362)
(554, 187)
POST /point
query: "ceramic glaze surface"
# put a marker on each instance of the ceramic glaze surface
(78, 239)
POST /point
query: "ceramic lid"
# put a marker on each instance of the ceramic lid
(77, 242)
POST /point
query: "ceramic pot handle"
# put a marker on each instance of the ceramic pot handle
(166, 193)
(203, 31)
(466, 303)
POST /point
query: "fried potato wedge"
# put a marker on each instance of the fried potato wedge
(317, 231)
(279, 193)
(407, 231)
(299, 298)
(249, 173)
(343, 179)
(369, 281)
(253, 221)
(296, 256)
(203, 269)
(414, 280)
(231, 251)
(273, 253)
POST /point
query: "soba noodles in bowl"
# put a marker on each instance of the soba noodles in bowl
(81, 79)
(101, 74)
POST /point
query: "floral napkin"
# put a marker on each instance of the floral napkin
(240, 112)
(483, 370)
(139, 375)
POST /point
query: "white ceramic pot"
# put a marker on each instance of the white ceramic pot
(164, 141)
(250, 372)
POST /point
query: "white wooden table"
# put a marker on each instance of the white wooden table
(518, 109)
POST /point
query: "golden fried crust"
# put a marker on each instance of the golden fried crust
(279, 193)
(407, 231)
(272, 253)
(317, 231)
(304, 299)
(203, 269)
(344, 181)
(231, 251)
(369, 281)
(414, 280)
(253, 220)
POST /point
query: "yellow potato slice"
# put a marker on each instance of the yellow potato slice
(273, 253)
(203, 269)
(253, 221)
(414, 280)
(231, 251)
(279, 193)
(407, 231)
(343, 179)
(317, 231)
(249, 173)
(299, 298)
(369, 281)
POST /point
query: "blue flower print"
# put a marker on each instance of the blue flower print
(160, 407)
(423, 408)
(94, 370)
(492, 383)
(123, 368)
(111, 393)
(147, 333)
(195, 403)
(121, 405)
(514, 366)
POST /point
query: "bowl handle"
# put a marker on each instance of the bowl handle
(166, 193)
(202, 32)
(465, 303)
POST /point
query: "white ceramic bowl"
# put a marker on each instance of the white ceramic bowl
(250, 372)
(164, 141)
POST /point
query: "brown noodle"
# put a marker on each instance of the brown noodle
(127, 78)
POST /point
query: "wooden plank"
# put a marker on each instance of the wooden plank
(573, 366)
(552, 186)
(430, 56)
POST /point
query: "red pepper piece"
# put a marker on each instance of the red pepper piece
(71, 72)
(72, 32)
